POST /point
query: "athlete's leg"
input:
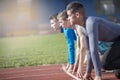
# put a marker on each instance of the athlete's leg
(111, 59)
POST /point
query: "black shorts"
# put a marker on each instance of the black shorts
(111, 58)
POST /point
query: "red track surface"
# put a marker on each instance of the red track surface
(49, 72)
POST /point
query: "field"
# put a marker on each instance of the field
(32, 50)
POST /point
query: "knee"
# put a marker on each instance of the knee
(106, 66)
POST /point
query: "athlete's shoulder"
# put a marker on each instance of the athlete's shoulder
(91, 19)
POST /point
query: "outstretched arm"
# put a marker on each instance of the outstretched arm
(82, 50)
(77, 54)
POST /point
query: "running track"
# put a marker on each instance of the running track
(48, 72)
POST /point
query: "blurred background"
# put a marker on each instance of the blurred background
(26, 38)
(29, 17)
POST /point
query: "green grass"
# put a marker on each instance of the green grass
(32, 50)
